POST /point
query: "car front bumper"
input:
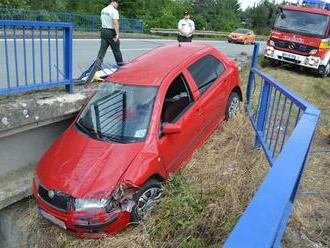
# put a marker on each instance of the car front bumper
(292, 58)
(85, 224)
(240, 40)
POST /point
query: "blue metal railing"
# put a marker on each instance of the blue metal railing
(83, 22)
(35, 55)
(285, 125)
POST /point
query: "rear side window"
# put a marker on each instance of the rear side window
(206, 71)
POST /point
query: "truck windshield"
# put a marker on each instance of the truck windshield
(302, 23)
(118, 113)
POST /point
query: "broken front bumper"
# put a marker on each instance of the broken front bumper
(93, 223)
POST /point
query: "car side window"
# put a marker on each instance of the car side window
(178, 99)
(206, 71)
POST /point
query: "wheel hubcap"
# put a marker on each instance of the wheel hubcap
(147, 201)
(234, 107)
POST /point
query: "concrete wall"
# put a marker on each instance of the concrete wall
(24, 149)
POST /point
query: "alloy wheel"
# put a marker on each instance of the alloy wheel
(147, 201)
(234, 106)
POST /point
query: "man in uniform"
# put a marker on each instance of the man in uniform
(186, 28)
(110, 32)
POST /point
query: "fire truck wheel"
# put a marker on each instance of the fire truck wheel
(324, 71)
(274, 63)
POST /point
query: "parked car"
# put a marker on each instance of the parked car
(242, 35)
(106, 170)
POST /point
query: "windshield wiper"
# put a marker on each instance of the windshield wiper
(85, 130)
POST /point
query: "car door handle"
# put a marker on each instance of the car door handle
(200, 111)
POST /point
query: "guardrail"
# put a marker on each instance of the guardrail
(35, 55)
(285, 125)
(82, 22)
(197, 32)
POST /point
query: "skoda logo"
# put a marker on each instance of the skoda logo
(291, 46)
(51, 194)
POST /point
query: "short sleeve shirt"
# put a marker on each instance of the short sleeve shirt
(108, 14)
(186, 25)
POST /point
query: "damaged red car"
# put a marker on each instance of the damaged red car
(143, 124)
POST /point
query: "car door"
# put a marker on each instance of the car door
(180, 108)
(211, 78)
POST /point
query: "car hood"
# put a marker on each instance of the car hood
(84, 167)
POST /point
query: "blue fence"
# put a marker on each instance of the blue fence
(285, 125)
(35, 55)
(83, 22)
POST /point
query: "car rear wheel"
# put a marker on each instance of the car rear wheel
(233, 105)
(146, 199)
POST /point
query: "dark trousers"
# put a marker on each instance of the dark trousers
(107, 36)
(184, 38)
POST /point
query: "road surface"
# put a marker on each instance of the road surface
(49, 68)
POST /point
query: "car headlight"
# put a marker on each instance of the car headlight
(314, 51)
(120, 196)
(271, 43)
(86, 204)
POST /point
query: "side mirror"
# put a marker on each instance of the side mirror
(170, 128)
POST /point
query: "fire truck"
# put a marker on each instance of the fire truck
(301, 36)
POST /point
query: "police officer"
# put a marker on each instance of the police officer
(186, 28)
(110, 32)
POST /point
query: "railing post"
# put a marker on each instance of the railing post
(251, 76)
(67, 57)
(262, 112)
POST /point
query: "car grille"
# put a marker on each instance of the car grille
(293, 46)
(59, 201)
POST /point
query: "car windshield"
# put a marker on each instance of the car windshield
(302, 23)
(118, 113)
(241, 31)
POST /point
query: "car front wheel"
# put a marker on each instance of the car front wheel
(146, 199)
(233, 105)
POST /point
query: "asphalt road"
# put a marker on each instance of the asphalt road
(84, 53)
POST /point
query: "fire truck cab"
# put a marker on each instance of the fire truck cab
(301, 36)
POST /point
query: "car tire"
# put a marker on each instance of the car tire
(233, 105)
(229, 41)
(146, 199)
(324, 71)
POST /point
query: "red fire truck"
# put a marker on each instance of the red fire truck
(301, 36)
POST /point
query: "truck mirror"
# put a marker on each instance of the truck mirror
(283, 16)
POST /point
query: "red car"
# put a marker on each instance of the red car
(106, 170)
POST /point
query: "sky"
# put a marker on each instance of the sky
(249, 3)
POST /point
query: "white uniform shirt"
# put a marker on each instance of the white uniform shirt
(108, 14)
(186, 25)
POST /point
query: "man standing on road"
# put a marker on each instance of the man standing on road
(110, 32)
(186, 28)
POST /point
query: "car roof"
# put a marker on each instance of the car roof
(307, 9)
(151, 68)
